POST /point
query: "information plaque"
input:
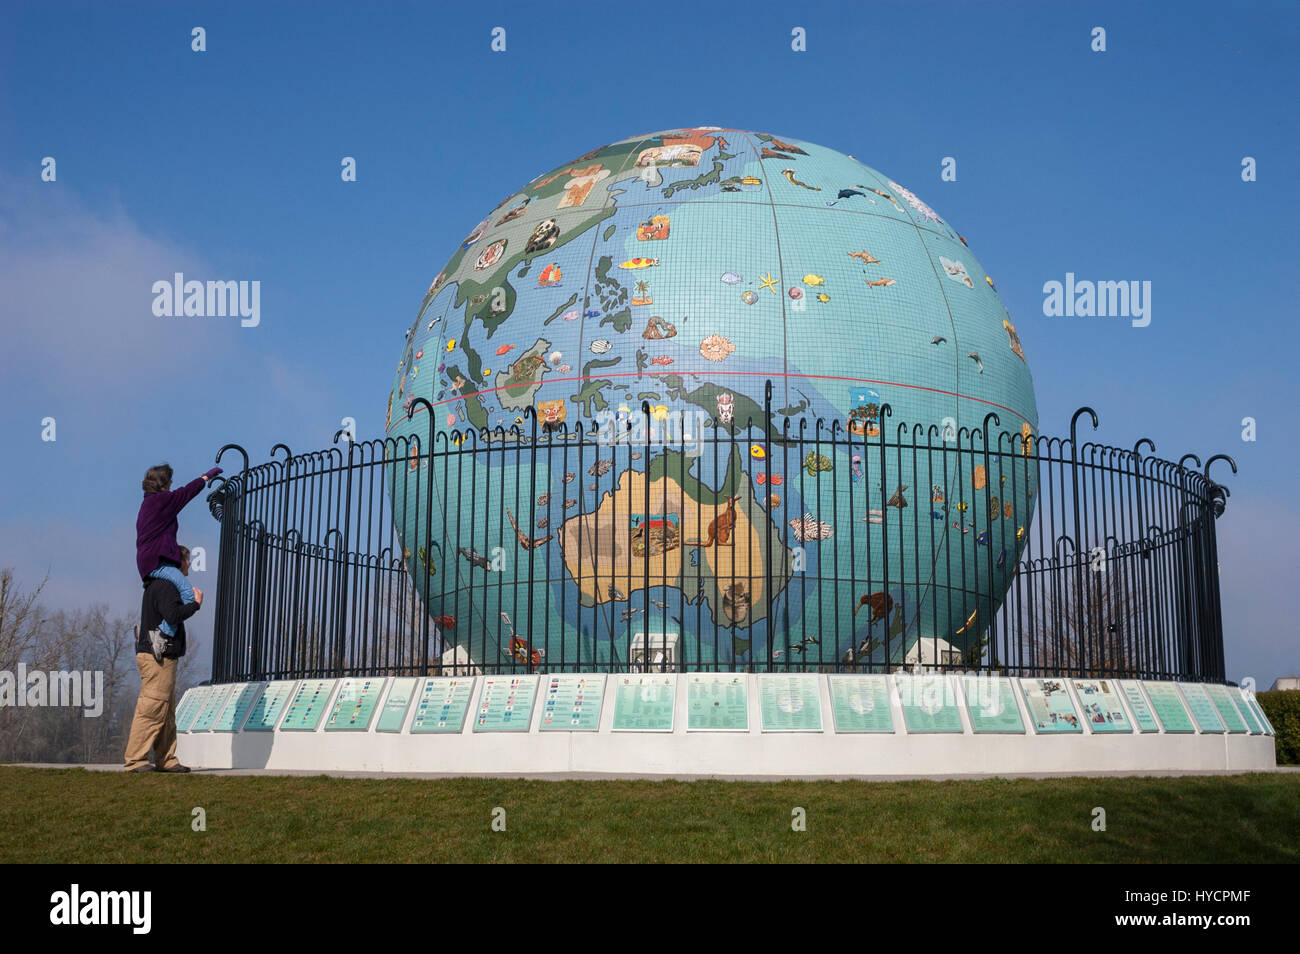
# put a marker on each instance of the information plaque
(188, 710)
(929, 703)
(444, 703)
(393, 713)
(307, 705)
(1228, 713)
(1050, 708)
(211, 706)
(355, 704)
(266, 710)
(860, 703)
(789, 702)
(1201, 707)
(717, 702)
(237, 705)
(1169, 707)
(1247, 713)
(1256, 708)
(991, 705)
(505, 704)
(644, 703)
(571, 702)
(1102, 709)
(1143, 717)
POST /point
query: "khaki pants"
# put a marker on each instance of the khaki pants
(154, 726)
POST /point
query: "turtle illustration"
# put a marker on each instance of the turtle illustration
(815, 462)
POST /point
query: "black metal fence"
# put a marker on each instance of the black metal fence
(1029, 555)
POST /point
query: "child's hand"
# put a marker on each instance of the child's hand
(212, 473)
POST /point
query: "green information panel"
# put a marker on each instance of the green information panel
(355, 704)
(644, 703)
(393, 714)
(1202, 708)
(991, 705)
(307, 705)
(1259, 712)
(191, 702)
(1228, 713)
(1137, 703)
(1238, 696)
(444, 704)
(929, 703)
(717, 701)
(240, 700)
(571, 703)
(505, 704)
(211, 706)
(790, 702)
(266, 710)
(1102, 710)
(860, 703)
(1169, 707)
(1050, 708)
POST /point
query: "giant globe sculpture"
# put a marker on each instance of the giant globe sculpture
(555, 521)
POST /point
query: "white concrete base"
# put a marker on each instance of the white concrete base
(752, 753)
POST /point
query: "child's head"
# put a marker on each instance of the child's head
(157, 479)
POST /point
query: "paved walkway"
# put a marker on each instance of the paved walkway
(572, 776)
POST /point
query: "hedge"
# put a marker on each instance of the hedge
(1282, 706)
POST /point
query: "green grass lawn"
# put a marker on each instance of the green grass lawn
(75, 816)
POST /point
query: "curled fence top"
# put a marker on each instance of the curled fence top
(339, 458)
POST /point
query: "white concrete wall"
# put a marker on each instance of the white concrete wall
(697, 753)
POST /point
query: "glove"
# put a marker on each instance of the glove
(212, 473)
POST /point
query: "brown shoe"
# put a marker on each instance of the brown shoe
(176, 769)
(142, 768)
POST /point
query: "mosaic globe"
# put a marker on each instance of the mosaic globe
(675, 390)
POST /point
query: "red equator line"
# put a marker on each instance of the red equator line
(760, 374)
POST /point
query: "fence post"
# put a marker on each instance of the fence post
(232, 506)
(1078, 527)
(341, 601)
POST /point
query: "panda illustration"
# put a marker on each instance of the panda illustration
(543, 237)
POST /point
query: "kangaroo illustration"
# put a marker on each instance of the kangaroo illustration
(720, 527)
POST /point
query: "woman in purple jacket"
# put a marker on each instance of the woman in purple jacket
(157, 553)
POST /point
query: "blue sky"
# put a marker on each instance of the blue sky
(225, 164)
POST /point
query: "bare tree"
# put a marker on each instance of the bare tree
(20, 619)
(384, 620)
(1084, 618)
(20, 626)
(78, 641)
